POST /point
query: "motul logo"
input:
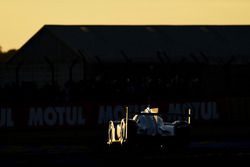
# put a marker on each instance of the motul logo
(174, 111)
(6, 117)
(107, 113)
(199, 110)
(51, 116)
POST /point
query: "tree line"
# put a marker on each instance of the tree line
(5, 56)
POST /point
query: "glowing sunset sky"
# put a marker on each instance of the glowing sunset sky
(20, 19)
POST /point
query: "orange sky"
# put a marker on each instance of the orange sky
(20, 19)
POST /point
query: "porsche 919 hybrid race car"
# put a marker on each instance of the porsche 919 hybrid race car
(149, 128)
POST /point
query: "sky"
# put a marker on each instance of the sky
(21, 19)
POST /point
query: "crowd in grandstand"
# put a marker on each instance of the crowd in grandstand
(173, 82)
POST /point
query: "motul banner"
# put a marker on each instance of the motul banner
(99, 113)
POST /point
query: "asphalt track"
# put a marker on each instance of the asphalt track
(208, 146)
(197, 153)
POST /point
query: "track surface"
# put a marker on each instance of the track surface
(197, 152)
(209, 145)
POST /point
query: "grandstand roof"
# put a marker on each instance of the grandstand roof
(156, 43)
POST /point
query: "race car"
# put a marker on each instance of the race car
(149, 128)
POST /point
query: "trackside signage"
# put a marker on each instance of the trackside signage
(200, 111)
(95, 113)
(6, 119)
(52, 116)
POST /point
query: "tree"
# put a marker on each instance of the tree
(5, 56)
